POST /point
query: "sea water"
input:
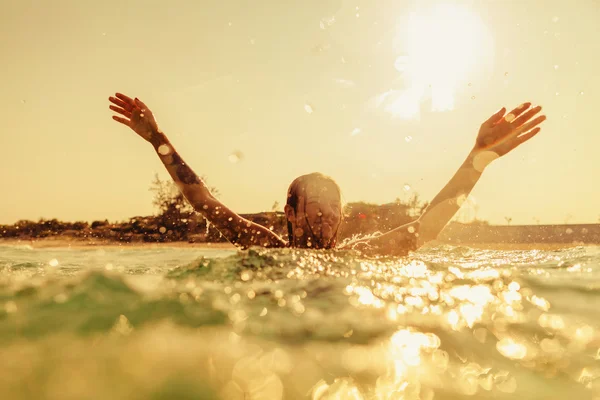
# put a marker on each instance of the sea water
(176, 323)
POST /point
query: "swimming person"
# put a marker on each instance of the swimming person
(314, 207)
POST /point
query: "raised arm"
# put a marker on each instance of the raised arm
(239, 231)
(497, 136)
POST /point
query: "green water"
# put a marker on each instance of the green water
(444, 323)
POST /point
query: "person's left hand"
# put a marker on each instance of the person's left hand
(502, 133)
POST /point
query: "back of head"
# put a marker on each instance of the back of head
(297, 190)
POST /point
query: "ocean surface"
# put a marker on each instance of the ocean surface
(178, 323)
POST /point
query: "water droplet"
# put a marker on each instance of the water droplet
(321, 48)
(581, 93)
(122, 326)
(103, 33)
(343, 60)
(356, 8)
(246, 275)
(357, 15)
(472, 97)
(556, 66)
(345, 83)
(308, 108)
(162, 229)
(326, 22)
(557, 93)
(229, 23)
(406, 187)
(235, 157)
(355, 131)
(511, 349)
(555, 19)
(470, 84)
(23, 101)
(408, 139)
(164, 150)
(10, 307)
(401, 63)
(252, 41)
(506, 74)
(53, 262)
(411, 229)
(60, 298)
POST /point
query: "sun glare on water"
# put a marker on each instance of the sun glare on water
(442, 47)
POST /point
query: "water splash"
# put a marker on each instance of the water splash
(235, 157)
(445, 322)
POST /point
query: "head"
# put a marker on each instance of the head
(314, 211)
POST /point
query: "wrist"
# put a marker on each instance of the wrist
(157, 139)
(479, 159)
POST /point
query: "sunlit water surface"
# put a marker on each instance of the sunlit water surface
(170, 323)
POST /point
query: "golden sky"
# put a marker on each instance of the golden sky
(377, 94)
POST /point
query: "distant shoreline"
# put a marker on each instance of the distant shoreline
(62, 242)
(68, 242)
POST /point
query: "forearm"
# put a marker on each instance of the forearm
(193, 188)
(236, 229)
(449, 200)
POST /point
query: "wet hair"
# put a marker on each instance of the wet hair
(296, 188)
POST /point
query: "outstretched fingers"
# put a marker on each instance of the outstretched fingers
(120, 111)
(515, 142)
(526, 117)
(496, 117)
(126, 99)
(124, 121)
(530, 125)
(121, 103)
(511, 116)
(528, 135)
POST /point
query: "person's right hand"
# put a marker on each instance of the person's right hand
(503, 133)
(137, 116)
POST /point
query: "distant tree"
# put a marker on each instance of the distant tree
(175, 214)
(98, 224)
(477, 221)
(364, 218)
(568, 217)
(508, 220)
(169, 200)
(275, 206)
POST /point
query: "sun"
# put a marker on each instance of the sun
(442, 47)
